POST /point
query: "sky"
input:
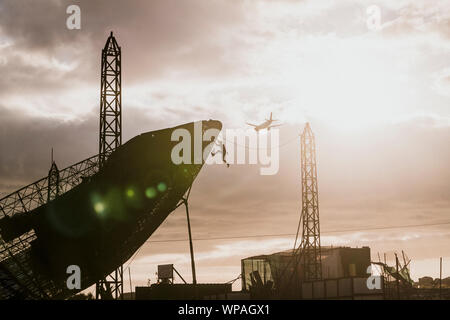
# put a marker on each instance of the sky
(377, 97)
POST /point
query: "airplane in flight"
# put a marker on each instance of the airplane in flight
(265, 125)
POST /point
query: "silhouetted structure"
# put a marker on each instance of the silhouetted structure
(263, 275)
(312, 266)
(99, 223)
(110, 139)
(110, 99)
(166, 291)
(53, 182)
(17, 280)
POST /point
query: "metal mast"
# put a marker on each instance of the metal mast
(312, 264)
(111, 287)
(110, 99)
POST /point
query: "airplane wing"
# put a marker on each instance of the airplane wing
(276, 125)
(253, 125)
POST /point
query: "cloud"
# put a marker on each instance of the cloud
(182, 34)
(26, 142)
(377, 102)
(442, 82)
(418, 17)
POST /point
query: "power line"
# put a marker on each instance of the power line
(132, 258)
(257, 148)
(293, 234)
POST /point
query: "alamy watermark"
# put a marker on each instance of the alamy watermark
(373, 20)
(73, 282)
(227, 147)
(374, 281)
(73, 22)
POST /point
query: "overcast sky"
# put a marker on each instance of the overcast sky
(377, 99)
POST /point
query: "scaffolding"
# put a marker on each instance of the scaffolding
(53, 182)
(15, 254)
(312, 266)
(111, 287)
(110, 99)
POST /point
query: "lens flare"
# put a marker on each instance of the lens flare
(130, 193)
(150, 193)
(162, 187)
(99, 207)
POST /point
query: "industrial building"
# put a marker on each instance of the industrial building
(182, 291)
(273, 274)
(337, 262)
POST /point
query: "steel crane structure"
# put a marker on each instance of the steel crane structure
(311, 262)
(110, 138)
(16, 278)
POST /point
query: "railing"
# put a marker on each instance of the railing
(35, 195)
(13, 257)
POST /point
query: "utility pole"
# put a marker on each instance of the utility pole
(191, 245)
(396, 278)
(131, 286)
(440, 279)
(110, 138)
(312, 263)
